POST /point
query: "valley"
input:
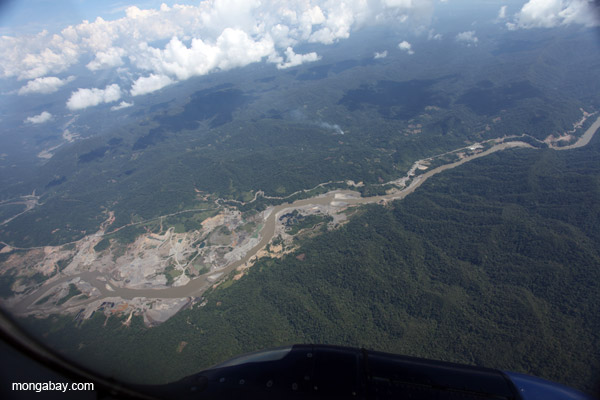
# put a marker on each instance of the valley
(162, 272)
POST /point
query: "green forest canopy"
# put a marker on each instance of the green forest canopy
(494, 263)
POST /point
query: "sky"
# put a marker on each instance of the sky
(32, 16)
(149, 45)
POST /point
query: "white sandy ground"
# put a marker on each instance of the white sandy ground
(104, 279)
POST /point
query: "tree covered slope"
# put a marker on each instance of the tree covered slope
(494, 263)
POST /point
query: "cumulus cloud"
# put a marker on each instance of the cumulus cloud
(210, 36)
(467, 37)
(431, 35)
(293, 59)
(49, 84)
(121, 105)
(233, 48)
(33, 56)
(107, 59)
(552, 13)
(378, 55)
(182, 62)
(149, 84)
(39, 119)
(84, 98)
(405, 46)
(502, 12)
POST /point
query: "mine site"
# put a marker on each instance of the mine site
(91, 276)
(163, 271)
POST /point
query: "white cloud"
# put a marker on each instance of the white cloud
(502, 12)
(209, 36)
(84, 98)
(293, 59)
(149, 84)
(121, 105)
(49, 84)
(467, 37)
(233, 48)
(39, 119)
(405, 46)
(398, 3)
(33, 56)
(431, 35)
(335, 127)
(383, 54)
(552, 13)
(340, 19)
(581, 12)
(540, 13)
(110, 58)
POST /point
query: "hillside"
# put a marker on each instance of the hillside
(494, 263)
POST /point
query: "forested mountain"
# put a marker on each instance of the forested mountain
(180, 184)
(494, 263)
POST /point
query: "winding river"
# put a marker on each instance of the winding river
(197, 286)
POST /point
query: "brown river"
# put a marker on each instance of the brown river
(197, 286)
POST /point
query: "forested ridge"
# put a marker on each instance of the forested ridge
(494, 263)
(239, 133)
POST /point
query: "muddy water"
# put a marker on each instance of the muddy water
(585, 138)
(197, 286)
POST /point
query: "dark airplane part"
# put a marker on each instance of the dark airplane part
(332, 372)
(534, 388)
(309, 372)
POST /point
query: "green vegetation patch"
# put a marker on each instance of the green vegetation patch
(64, 263)
(126, 235)
(102, 245)
(6, 282)
(171, 273)
(44, 299)
(73, 291)
(10, 210)
(489, 264)
(300, 222)
(37, 278)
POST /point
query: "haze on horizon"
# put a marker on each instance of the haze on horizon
(134, 50)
